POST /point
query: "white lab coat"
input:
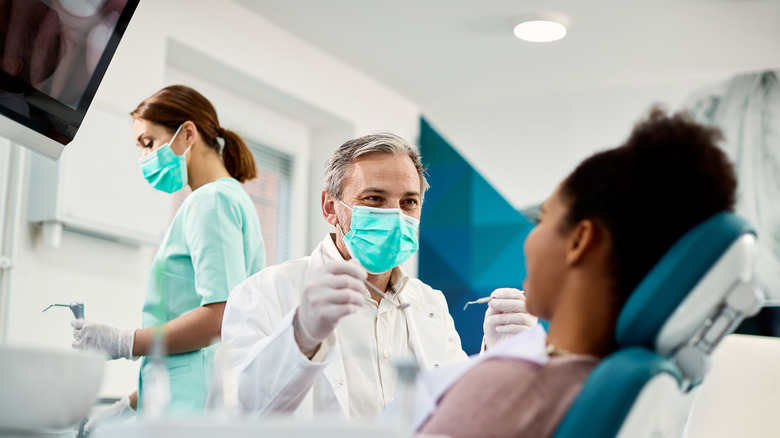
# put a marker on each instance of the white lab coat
(273, 376)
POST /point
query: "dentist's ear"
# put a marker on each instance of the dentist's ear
(328, 205)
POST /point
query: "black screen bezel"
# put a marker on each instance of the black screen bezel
(52, 118)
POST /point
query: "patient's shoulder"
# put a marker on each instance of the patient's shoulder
(565, 374)
(510, 397)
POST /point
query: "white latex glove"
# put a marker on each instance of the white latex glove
(117, 411)
(506, 316)
(111, 341)
(331, 292)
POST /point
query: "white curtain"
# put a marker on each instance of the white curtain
(747, 110)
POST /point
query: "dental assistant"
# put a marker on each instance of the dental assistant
(308, 337)
(213, 244)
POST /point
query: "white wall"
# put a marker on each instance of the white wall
(525, 148)
(213, 41)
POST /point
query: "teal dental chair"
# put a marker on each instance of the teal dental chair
(693, 297)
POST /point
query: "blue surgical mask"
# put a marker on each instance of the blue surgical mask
(381, 238)
(165, 170)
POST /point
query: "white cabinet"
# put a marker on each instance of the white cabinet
(96, 187)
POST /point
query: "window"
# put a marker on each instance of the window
(271, 193)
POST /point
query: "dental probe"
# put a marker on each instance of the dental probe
(479, 301)
(484, 300)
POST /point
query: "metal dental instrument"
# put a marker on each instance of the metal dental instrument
(479, 301)
(375, 289)
(76, 308)
(483, 300)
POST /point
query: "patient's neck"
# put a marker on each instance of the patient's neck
(585, 317)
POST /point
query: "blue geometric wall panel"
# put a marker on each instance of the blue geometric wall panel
(471, 238)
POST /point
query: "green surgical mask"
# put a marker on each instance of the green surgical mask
(163, 169)
(381, 238)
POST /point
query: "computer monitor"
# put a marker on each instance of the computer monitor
(53, 55)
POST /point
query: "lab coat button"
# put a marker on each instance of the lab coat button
(341, 381)
(431, 314)
(436, 365)
(386, 354)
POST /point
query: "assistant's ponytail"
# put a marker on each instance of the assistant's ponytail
(238, 159)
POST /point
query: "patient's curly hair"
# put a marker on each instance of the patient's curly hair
(666, 178)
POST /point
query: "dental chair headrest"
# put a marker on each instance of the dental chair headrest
(688, 284)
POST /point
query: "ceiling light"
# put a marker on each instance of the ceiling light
(540, 31)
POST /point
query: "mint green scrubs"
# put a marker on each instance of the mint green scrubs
(213, 244)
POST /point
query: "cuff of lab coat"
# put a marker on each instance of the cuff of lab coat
(321, 355)
(319, 358)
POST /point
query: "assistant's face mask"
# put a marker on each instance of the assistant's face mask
(163, 169)
(381, 238)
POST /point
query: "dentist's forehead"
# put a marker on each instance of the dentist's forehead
(383, 172)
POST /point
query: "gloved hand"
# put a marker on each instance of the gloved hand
(331, 292)
(111, 341)
(506, 316)
(117, 411)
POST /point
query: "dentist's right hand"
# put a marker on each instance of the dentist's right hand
(331, 292)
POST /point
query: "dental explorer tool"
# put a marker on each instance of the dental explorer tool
(479, 301)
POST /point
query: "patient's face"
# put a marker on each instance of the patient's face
(545, 258)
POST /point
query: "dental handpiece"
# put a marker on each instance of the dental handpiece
(76, 308)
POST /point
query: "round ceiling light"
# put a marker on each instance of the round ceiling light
(540, 31)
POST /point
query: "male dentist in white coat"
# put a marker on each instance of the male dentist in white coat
(309, 337)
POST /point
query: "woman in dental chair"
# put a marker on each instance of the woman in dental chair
(599, 234)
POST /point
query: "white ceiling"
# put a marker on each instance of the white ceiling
(442, 52)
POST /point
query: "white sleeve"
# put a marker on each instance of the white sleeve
(271, 374)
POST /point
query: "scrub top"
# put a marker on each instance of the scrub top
(213, 244)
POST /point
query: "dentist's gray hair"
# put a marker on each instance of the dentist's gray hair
(338, 164)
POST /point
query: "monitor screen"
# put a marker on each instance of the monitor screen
(53, 55)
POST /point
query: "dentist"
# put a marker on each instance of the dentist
(309, 337)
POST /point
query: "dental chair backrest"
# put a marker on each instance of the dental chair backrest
(696, 294)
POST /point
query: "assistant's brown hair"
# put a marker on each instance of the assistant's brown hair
(176, 104)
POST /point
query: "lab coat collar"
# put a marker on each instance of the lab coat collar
(328, 246)
(398, 280)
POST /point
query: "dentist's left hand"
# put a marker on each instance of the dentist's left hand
(113, 342)
(506, 316)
